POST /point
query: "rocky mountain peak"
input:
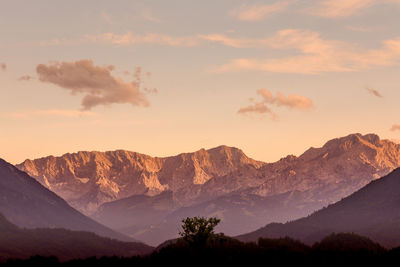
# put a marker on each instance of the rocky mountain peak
(97, 177)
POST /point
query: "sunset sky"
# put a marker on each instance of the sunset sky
(164, 77)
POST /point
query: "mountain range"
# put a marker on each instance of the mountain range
(373, 211)
(146, 197)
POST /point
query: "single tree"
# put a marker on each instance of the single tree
(197, 230)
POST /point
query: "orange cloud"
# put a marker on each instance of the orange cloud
(290, 101)
(340, 8)
(227, 41)
(258, 12)
(96, 83)
(344, 8)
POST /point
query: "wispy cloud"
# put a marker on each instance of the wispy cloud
(309, 52)
(96, 83)
(25, 78)
(373, 92)
(339, 8)
(316, 55)
(395, 127)
(344, 8)
(258, 12)
(125, 39)
(150, 38)
(280, 100)
(3, 66)
(232, 42)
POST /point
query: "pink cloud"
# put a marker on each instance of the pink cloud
(258, 12)
(344, 8)
(268, 99)
(96, 83)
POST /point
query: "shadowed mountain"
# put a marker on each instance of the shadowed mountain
(26, 203)
(64, 244)
(223, 182)
(373, 211)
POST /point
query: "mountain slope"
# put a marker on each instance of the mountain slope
(373, 211)
(26, 203)
(64, 244)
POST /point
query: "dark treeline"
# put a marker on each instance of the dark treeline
(334, 250)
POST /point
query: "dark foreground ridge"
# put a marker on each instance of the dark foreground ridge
(28, 204)
(64, 244)
(334, 250)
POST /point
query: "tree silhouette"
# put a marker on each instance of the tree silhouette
(197, 230)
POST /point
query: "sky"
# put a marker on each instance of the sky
(272, 78)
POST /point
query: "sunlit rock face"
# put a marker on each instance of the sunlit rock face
(333, 171)
(146, 197)
(88, 179)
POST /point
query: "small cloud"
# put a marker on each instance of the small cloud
(3, 66)
(373, 92)
(257, 108)
(25, 78)
(258, 12)
(268, 99)
(96, 83)
(395, 127)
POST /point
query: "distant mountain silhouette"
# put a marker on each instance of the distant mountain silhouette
(373, 211)
(64, 244)
(28, 204)
(146, 197)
